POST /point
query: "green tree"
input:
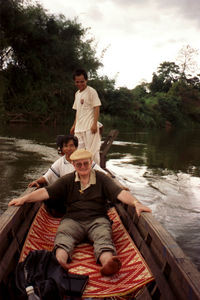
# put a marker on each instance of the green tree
(120, 102)
(39, 53)
(189, 98)
(105, 87)
(167, 74)
(140, 91)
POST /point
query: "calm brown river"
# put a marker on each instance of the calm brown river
(161, 168)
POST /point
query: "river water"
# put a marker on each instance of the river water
(161, 168)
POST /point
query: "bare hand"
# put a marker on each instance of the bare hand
(140, 208)
(72, 130)
(94, 128)
(16, 202)
(34, 183)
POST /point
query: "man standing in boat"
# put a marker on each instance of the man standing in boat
(87, 105)
(85, 193)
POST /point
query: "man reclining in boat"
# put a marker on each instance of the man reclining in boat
(86, 192)
(61, 167)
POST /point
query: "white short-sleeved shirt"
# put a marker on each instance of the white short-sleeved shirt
(84, 104)
(62, 167)
(59, 168)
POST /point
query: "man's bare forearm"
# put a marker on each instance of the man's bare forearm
(96, 114)
(36, 196)
(96, 117)
(127, 198)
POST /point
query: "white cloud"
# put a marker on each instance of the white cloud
(140, 34)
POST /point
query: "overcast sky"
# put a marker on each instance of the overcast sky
(138, 34)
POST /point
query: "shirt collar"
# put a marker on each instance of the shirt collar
(91, 181)
(66, 161)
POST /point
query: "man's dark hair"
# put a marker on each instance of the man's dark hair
(80, 72)
(64, 139)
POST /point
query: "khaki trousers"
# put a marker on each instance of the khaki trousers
(71, 232)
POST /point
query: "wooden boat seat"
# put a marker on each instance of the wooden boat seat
(132, 276)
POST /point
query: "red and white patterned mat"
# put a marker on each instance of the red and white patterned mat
(133, 274)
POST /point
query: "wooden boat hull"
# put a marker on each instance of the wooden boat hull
(14, 226)
(175, 276)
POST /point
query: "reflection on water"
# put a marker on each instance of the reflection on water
(160, 168)
(160, 149)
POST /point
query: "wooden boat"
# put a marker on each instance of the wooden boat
(175, 275)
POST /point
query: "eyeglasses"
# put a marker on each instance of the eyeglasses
(80, 164)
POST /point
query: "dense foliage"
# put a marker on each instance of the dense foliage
(39, 52)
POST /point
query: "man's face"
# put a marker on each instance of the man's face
(80, 82)
(68, 148)
(83, 166)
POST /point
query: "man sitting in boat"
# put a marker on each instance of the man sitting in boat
(86, 192)
(63, 165)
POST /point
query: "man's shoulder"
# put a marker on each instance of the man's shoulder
(63, 160)
(92, 93)
(97, 167)
(90, 89)
(101, 175)
(57, 161)
(68, 176)
(106, 181)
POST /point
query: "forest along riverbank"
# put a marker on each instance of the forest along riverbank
(172, 195)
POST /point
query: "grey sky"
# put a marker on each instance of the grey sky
(139, 34)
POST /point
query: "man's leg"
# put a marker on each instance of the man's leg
(100, 232)
(69, 234)
(81, 140)
(93, 144)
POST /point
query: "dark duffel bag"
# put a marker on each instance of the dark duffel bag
(50, 281)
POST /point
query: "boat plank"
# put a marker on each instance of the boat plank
(162, 284)
(15, 225)
(106, 146)
(143, 294)
(177, 268)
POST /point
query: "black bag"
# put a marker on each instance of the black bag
(41, 270)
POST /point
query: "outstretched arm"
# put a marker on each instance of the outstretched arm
(35, 196)
(127, 198)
